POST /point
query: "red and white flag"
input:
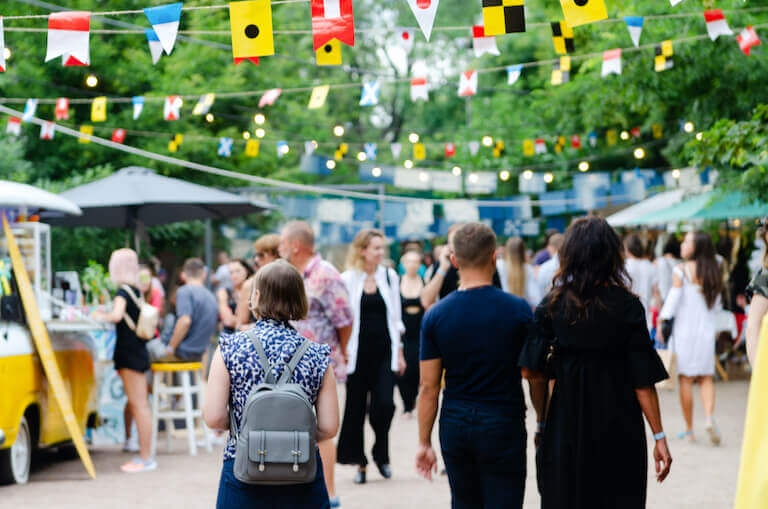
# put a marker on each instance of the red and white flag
(419, 89)
(635, 132)
(425, 12)
(540, 146)
(69, 37)
(14, 126)
(576, 141)
(716, 24)
(269, 97)
(62, 108)
(468, 83)
(118, 135)
(482, 44)
(172, 107)
(405, 39)
(747, 39)
(611, 62)
(47, 131)
(450, 149)
(2, 46)
(332, 19)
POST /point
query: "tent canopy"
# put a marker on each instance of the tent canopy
(14, 194)
(711, 206)
(630, 215)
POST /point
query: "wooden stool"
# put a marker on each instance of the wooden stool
(190, 374)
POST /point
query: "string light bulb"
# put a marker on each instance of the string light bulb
(260, 133)
(338, 130)
(675, 173)
(7, 52)
(688, 127)
(408, 164)
(487, 141)
(284, 149)
(624, 135)
(330, 164)
(456, 171)
(91, 81)
(413, 138)
(504, 175)
(699, 136)
(361, 156)
(376, 172)
(209, 117)
(639, 153)
(259, 119)
(584, 166)
(423, 176)
(549, 178)
(246, 135)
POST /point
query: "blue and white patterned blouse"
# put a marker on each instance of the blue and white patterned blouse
(280, 341)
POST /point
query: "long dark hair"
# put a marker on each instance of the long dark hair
(707, 269)
(591, 257)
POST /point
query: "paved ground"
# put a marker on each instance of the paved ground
(703, 477)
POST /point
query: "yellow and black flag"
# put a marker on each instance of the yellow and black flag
(329, 53)
(251, 24)
(663, 57)
(562, 37)
(581, 12)
(498, 149)
(503, 17)
(341, 151)
(561, 73)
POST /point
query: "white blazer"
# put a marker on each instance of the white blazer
(355, 282)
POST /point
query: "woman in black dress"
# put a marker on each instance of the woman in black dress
(590, 336)
(410, 293)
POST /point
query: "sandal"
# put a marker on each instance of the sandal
(138, 466)
(714, 433)
(686, 434)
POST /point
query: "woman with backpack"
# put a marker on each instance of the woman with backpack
(285, 366)
(131, 356)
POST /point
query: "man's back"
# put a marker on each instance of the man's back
(197, 302)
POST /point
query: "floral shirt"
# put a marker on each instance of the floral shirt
(280, 342)
(329, 310)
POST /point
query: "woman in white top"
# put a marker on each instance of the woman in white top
(516, 275)
(642, 273)
(374, 352)
(693, 303)
(665, 265)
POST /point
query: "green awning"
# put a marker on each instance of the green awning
(710, 206)
(732, 206)
(682, 211)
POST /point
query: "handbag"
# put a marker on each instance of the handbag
(146, 326)
(669, 359)
(667, 326)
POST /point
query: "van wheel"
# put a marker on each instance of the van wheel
(16, 460)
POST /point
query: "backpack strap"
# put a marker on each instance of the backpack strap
(263, 361)
(128, 320)
(291, 366)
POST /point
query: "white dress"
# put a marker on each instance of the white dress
(693, 334)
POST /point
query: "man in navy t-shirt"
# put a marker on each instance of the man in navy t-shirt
(475, 334)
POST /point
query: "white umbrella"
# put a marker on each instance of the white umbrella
(14, 194)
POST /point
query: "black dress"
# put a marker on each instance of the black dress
(408, 384)
(130, 350)
(232, 304)
(593, 453)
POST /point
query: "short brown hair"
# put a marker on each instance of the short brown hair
(194, 268)
(268, 244)
(473, 245)
(281, 292)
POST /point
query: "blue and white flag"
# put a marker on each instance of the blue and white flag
(165, 20)
(29, 110)
(370, 96)
(282, 148)
(592, 138)
(513, 73)
(138, 106)
(225, 147)
(370, 151)
(155, 47)
(635, 27)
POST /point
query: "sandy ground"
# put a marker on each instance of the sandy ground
(703, 477)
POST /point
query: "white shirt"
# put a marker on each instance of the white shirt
(222, 277)
(664, 277)
(390, 292)
(532, 294)
(547, 271)
(644, 277)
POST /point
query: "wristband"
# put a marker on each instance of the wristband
(540, 427)
(659, 436)
(441, 272)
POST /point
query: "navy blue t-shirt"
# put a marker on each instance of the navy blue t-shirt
(478, 334)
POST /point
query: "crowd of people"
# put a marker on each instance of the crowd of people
(580, 320)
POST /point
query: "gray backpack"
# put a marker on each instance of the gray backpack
(277, 439)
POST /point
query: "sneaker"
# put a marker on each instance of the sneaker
(131, 445)
(714, 433)
(335, 502)
(138, 466)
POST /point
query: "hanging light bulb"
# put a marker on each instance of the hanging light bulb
(209, 117)
(639, 153)
(376, 172)
(675, 173)
(408, 164)
(246, 135)
(549, 178)
(413, 138)
(527, 174)
(91, 80)
(423, 176)
(260, 133)
(487, 141)
(624, 135)
(474, 178)
(330, 164)
(699, 135)
(688, 127)
(584, 166)
(338, 130)
(361, 156)
(504, 175)
(259, 119)
(456, 171)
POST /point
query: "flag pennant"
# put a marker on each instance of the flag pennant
(662, 59)
(657, 131)
(370, 95)
(581, 12)
(748, 39)
(99, 109)
(138, 106)
(474, 147)
(425, 12)
(69, 36)
(252, 148)
(635, 27)
(269, 97)
(716, 24)
(483, 44)
(30, 108)
(498, 149)
(165, 21)
(562, 37)
(592, 138)
(62, 108)
(576, 141)
(204, 104)
(341, 151)
(309, 147)
(14, 126)
(528, 148)
(611, 62)
(635, 132)
(251, 27)
(503, 16)
(86, 131)
(468, 83)
(371, 151)
(173, 146)
(419, 151)
(178, 139)
(405, 38)
(396, 149)
(674, 2)
(47, 131)
(318, 97)
(329, 54)
(225, 147)
(172, 107)
(282, 148)
(118, 135)
(561, 71)
(69, 61)
(540, 146)
(332, 19)
(419, 89)
(611, 137)
(450, 149)
(513, 73)
(2, 46)
(155, 46)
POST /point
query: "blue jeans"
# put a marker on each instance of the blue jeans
(484, 452)
(234, 494)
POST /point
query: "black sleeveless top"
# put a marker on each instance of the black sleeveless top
(412, 322)
(374, 344)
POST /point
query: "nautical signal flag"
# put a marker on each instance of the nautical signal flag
(513, 73)
(581, 12)
(468, 83)
(2, 46)
(528, 148)
(251, 26)
(172, 107)
(178, 139)
(635, 27)
(371, 151)
(716, 24)
(562, 37)
(225, 147)
(425, 12)
(419, 151)
(341, 151)
(69, 36)
(47, 131)
(657, 131)
(635, 132)
(576, 141)
(611, 137)
(173, 146)
(748, 39)
(138, 106)
(204, 104)
(592, 138)
(329, 54)
(30, 108)
(332, 19)
(155, 46)
(99, 109)
(118, 135)
(62, 108)
(450, 149)
(663, 56)
(498, 149)
(252, 148)
(165, 21)
(474, 147)
(318, 97)
(14, 126)
(419, 89)
(611, 62)
(269, 97)
(561, 71)
(540, 146)
(282, 148)
(396, 148)
(483, 44)
(370, 94)
(405, 38)
(503, 16)
(86, 131)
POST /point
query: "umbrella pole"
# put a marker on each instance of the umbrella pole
(208, 251)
